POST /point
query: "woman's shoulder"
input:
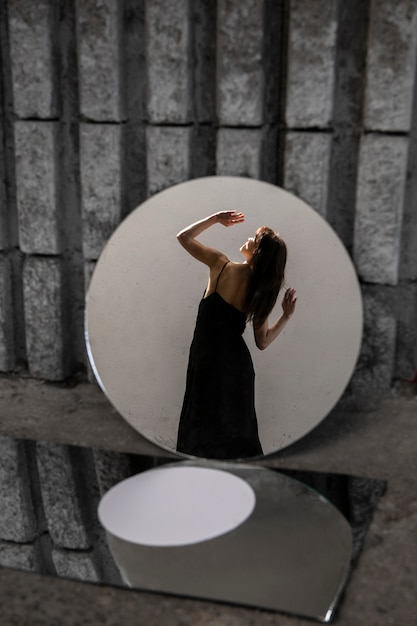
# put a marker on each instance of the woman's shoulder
(242, 268)
(238, 272)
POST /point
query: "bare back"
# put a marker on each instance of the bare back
(230, 280)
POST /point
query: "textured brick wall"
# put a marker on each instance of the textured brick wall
(103, 104)
(48, 518)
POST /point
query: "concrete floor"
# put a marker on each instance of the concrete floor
(379, 443)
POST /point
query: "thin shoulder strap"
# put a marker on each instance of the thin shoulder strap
(220, 273)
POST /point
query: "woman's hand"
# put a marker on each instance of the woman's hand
(264, 334)
(229, 218)
(288, 302)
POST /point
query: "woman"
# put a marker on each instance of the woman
(218, 418)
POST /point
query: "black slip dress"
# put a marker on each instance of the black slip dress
(218, 418)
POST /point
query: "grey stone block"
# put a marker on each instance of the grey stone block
(306, 167)
(239, 63)
(239, 152)
(37, 203)
(168, 162)
(390, 70)
(168, 62)
(17, 519)
(373, 375)
(101, 194)
(99, 60)
(60, 498)
(7, 345)
(379, 207)
(31, 31)
(111, 468)
(19, 556)
(46, 328)
(311, 57)
(76, 565)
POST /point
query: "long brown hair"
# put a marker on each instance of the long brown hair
(268, 265)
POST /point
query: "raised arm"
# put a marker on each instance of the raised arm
(203, 253)
(264, 334)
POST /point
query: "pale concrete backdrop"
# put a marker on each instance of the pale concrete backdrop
(105, 103)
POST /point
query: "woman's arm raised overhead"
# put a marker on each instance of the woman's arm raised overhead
(203, 253)
(265, 335)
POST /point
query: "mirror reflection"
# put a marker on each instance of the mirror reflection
(143, 301)
(291, 554)
(49, 523)
(218, 416)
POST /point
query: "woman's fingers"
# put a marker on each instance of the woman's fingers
(236, 219)
(289, 300)
(235, 216)
(229, 218)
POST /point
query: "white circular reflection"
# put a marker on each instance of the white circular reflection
(176, 506)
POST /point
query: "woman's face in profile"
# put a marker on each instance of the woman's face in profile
(248, 248)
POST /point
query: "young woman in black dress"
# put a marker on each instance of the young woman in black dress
(218, 418)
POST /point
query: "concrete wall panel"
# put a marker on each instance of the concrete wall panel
(46, 331)
(38, 209)
(307, 166)
(19, 556)
(76, 565)
(239, 62)
(32, 28)
(17, 522)
(239, 152)
(310, 70)
(391, 63)
(60, 499)
(111, 468)
(101, 195)
(379, 210)
(169, 156)
(99, 60)
(169, 74)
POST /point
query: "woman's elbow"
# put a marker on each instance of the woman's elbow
(181, 238)
(261, 344)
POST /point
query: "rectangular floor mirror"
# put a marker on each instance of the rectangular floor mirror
(50, 494)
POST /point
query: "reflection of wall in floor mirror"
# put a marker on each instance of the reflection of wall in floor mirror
(281, 525)
(140, 315)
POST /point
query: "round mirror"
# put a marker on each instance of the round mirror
(145, 292)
